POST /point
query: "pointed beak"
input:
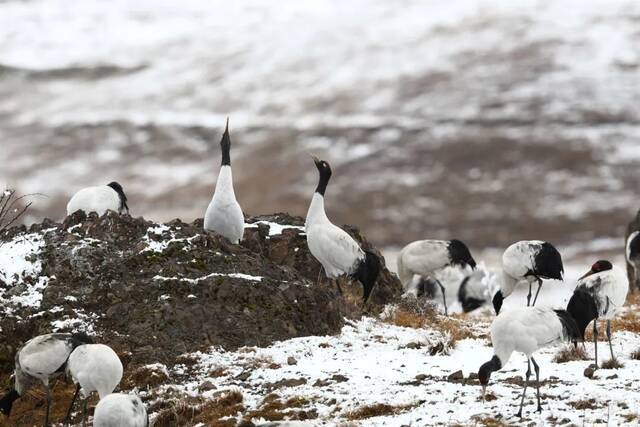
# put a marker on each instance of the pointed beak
(587, 274)
(226, 128)
(315, 159)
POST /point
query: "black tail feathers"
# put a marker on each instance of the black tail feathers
(7, 402)
(468, 303)
(367, 273)
(570, 328)
(549, 262)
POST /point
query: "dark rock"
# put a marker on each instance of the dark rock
(243, 376)
(455, 376)
(588, 372)
(291, 361)
(413, 346)
(186, 296)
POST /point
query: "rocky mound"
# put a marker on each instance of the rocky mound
(155, 291)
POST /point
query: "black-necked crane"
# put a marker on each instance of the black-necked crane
(99, 199)
(427, 257)
(529, 261)
(120, 410)
(599, 294)
(41, 359)
(526, 330)
(224, 215)
(338, 253)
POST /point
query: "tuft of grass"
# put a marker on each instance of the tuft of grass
(612, 364)
(412, 314)
(570, 354)
(377, 410)
(584, 404)
(489, 421)
(274, 408)
(224, 404)
(630, 417)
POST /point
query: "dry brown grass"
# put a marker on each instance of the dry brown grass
(144, 377)
(612, 364)
(377, 410)
(584, 404)
(630, 417)
(570, 354)
(412, 314)
(223, 404)
(29, 410)
(489, 421)
(274, 408)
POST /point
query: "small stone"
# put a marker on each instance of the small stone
(421, 377)
(473, 376)
(206, 386)
(612, 377)
(291, 361)
(413, 346)
(339, 378)
(243, 376)
(588, 372)
(456, 376)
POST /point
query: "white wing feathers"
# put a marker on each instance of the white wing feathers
(337, 251)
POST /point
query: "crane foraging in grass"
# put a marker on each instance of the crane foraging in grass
(600, 294)
(426, 257)
(530, 261)
(41, 359)
(93, 367)
(526, 330)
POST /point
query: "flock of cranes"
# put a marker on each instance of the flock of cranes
(599, 294)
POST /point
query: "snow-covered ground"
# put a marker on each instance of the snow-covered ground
(372, 362)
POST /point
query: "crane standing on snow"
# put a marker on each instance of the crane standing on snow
(526, 330)
(600, 293)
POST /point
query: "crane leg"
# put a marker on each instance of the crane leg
(538, 291)
(609, 337)
(67, 419)
(46, 417)
(526, 383)
(537, 369)
(529, 296)
(444, 297)
(84, 411)
(595, 338)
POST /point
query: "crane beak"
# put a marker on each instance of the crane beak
(587, 274)
(316, 160)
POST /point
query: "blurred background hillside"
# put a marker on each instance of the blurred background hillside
(488, 121)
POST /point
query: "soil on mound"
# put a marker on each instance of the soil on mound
(155, 291)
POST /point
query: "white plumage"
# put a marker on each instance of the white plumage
(528, 261)
(40, 359)
(526, 330)
(93, 367)
(338, 252)
(97, 199)
(120, 410)
(224, 215)
(422, 257)
(426, 257)
(599, 294)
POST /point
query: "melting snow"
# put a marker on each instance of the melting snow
(208, 276)
(274, 227)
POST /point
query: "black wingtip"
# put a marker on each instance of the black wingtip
(367, 273)
(6, 403)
